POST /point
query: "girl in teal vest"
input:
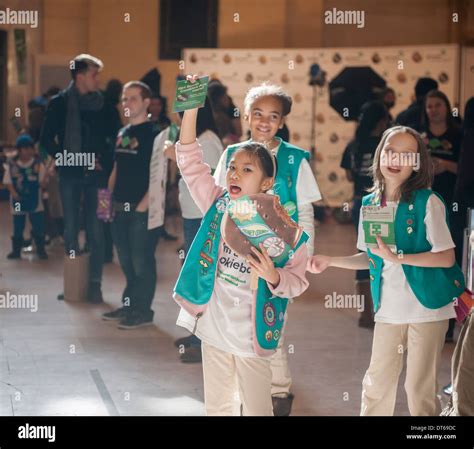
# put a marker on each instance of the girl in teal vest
(266, 108)
(414, 290)
(239, 328)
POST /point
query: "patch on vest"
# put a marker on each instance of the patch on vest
(269, 314)
(221, 204)
(290, 207)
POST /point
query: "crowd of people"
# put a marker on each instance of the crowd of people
(78, 158)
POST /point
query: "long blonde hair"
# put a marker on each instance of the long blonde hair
(420, 179)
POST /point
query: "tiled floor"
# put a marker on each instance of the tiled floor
(64, 360)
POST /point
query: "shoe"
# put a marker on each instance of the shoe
(95, 294)
(60, 297)
(135, 320)
(449, 339)
(192, 355)
(17, 243)
(185, 342)
(448, 389)
(282, 406)
(39, 241)
(116, 315)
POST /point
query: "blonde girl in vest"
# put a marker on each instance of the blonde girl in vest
(230, 352)
(413, 290)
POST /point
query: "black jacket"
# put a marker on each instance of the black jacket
(98, 133)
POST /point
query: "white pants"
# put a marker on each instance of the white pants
(221, 372)
(424, 343)
(281, 376)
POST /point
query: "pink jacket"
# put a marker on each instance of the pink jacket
(205, 191)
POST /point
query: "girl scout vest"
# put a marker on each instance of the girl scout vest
(433, 287)
(195, 283)
(26, 182)
(289, 158)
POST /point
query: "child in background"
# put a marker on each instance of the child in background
(24, 177)
(265, 108)
(225, 320)
(414, 290)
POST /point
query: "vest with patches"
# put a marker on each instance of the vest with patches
(196, 280)
(434, 287)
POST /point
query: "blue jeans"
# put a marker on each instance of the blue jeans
(36, 220)
(136, 247)
(72, 190)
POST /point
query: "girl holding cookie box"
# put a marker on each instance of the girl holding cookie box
(239, 327)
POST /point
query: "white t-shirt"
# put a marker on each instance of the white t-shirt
(398, 303)
(227, 322)
(7, 179)
(212, 149)
(307, 190)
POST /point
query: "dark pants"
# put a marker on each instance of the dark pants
(72, 190)
(190, 229)
(361, 275)
(136, 247)
(37, 224)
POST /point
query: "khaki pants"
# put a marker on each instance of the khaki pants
(221, 372)
(281, 376)
(463, 370)
(423, 343)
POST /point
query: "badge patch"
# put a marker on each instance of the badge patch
(269, 315)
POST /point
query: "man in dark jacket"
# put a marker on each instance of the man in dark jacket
(75, 133)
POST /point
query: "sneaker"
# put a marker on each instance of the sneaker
(116, 315)
(448, 389)
(282, 406)
(14, 255)
(192, 355)
(185, 342)
(136, 320)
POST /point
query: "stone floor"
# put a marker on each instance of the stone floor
(64, 360)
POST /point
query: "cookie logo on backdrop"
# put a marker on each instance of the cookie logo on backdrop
(443, 78)
(417, 57)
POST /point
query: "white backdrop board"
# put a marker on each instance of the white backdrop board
(240, 69)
